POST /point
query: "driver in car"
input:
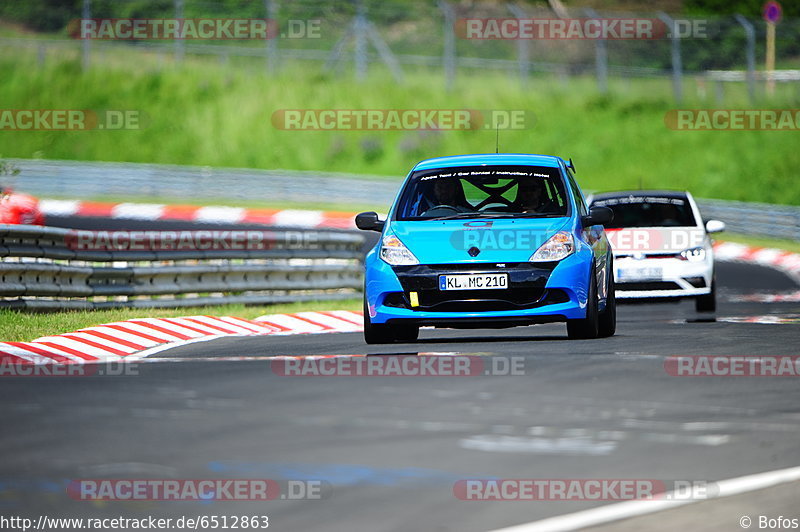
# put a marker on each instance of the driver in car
(530, 197)
(448, 193)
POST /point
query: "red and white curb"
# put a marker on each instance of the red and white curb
(785, 261)
(192, 213)
(136, 339)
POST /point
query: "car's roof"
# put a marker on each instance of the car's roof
(525, 159)
(641, 193)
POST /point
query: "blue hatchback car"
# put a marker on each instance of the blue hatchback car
(488, 241)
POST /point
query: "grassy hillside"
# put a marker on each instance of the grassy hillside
(206, 113)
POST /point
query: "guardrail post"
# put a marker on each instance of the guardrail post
(523, 51)
(750, 32)
(677, 66)
(271, 8)
(449, 56)
(178, 41)
(360, 31)
(600, 57)
(85, 43)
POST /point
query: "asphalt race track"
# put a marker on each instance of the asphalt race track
(389, 450)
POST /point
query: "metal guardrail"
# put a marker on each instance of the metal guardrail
(81, 179)
(40, 270)
(756, 219)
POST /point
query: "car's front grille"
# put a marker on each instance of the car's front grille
(526, 287)
(470, 301)
(647, 285)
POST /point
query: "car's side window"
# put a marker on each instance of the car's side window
(576, 193)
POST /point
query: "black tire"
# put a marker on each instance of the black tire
(588, 327)
(707, 302)
(405, 333)
(384, 333)
(375, 333)
(608, 318)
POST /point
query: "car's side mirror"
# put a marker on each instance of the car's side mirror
(715, 226)
(368, 221)
(598, 216)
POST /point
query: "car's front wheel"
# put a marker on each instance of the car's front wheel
(588, 327)
(707, 302)
(386, 333)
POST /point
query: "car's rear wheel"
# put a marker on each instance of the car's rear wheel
(707, 302)
(608, 318)
(588, 327)
(386, 333)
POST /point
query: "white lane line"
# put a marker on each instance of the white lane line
(120, 335)
(59, 207)
(253, 327)
(138, 211)
(333, 322)
(216, 322)
(74, 341)
(297, 218)
(355, 317)
(628, 509)
(141, 355)
(219, 214)
(162, 322)
(293, 324)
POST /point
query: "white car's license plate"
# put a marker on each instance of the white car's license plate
(474, 281)
(639, 274)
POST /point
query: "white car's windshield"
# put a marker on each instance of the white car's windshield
(483, 192)
(648, 211)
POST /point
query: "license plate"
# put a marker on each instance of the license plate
(474, 281)
(639, 274)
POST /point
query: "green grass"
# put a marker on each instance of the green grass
(21, 326)
(205, 113)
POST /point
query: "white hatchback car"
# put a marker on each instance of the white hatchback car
(661, 246)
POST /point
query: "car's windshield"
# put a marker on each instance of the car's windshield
(648, 211)
(483, 192)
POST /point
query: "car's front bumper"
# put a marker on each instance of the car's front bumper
(537, 294)
(662, 278)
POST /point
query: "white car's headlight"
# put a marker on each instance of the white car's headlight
(396, 253)
(697, 254)
(558, 247)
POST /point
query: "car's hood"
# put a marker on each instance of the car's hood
(500, 240)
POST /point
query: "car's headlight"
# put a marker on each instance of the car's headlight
(559, 246)
(396, 253)
(694, 254)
